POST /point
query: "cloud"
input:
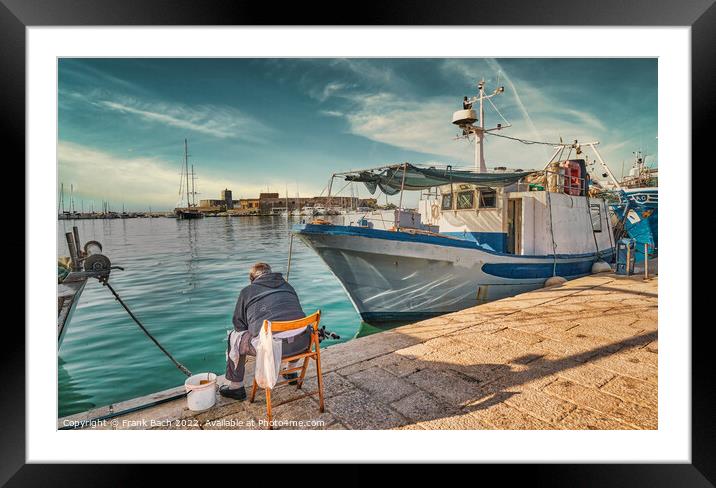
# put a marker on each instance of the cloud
(422, 126)
(221, 122)
(331, 113)
(518, 100)
(328, 90)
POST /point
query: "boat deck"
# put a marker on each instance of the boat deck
(578, 356)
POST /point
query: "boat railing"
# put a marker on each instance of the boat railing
(556, 182)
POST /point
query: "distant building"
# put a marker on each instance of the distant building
(227, 198)
(335, 201)
(267, 202)
(211, 203)
(248, 204)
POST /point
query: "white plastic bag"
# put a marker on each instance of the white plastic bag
(268, 359)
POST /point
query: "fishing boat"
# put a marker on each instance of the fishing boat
(476, 236)
(190, 211)
(635, 208)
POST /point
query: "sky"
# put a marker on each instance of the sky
(286, 125)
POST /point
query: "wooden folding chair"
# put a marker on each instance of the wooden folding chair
(313, 352)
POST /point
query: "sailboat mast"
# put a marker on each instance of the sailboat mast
(186, 170)
(193, 193)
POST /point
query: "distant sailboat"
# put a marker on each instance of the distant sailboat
(190, 211)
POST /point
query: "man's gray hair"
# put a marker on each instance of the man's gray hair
(259, 269)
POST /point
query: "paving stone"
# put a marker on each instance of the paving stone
(633, 369)
(640, 356)
(545, 407)
(582, 395)
(585, 419)
(401, 366)
(518, 335)
(357, 410)
(420, 406)
(503, 416)
(633, 390)
(587, 375)
(333, 384)
(637, 415)
(456, 422)
(446, 385)
(382, 385)
(303, 414)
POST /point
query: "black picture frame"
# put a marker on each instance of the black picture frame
(16, 15)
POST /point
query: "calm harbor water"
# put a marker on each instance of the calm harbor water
(181, 279)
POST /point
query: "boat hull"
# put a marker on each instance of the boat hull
(396, 276)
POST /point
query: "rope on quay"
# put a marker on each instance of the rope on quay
(179, 365)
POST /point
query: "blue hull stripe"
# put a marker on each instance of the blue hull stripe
(526, 271)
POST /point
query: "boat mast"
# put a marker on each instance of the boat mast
(479, 130)
(186, 170)
(193, 193)
(62, 197)
(480, 139)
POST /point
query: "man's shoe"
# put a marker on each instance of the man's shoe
(291, 376)
(235, 393)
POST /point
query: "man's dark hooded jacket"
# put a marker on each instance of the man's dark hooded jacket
(268, 297)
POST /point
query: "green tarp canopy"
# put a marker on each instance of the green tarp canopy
(390, 179)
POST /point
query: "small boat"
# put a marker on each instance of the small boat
(187, 213)
(190, 211)
(318, 210)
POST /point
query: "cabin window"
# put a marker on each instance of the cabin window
(596, 212)
(447, 201)
(465, 200)
(488, 199)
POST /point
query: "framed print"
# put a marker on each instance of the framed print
(433, 232)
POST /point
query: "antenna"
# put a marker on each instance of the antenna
(466, 118)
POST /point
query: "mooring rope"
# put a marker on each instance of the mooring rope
(179, 365)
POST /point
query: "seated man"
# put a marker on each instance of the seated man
(268, 297)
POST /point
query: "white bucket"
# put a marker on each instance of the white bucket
(200, 397)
